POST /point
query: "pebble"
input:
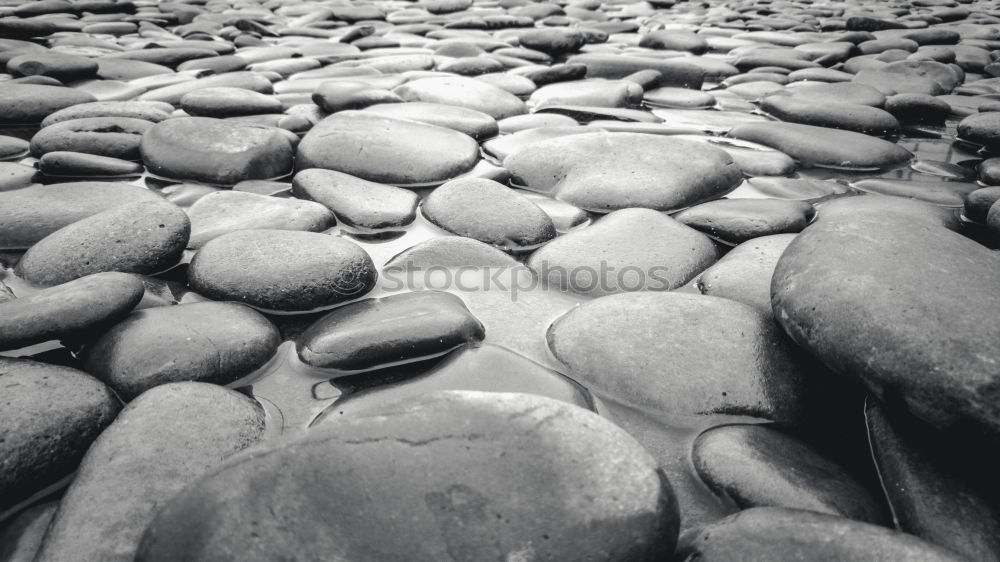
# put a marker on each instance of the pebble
(217, 342)
(700, 355)
(82, 165)
(744, 273)
(664, 174)
(160, 442)
(977, 203)
(145, 237)
(758, 467)
(943, 193)
(463, 92)
(441, 472)
(154, 112)
(224, 102)
(900, 327)
(30, 103)
(834, 115)
(358, 203)
(982, 129)
(334, 96)
(30, 214)
(114, 137)
(11, 147)
(737, 220)
(215, 151)
(627, 250)
(772, 533)
(281, 269)
(820, 146)
(489, 212)
(71, 309)
(50, 416)
(62, 67)
(376, 333)
(222, 212)
(387, 150)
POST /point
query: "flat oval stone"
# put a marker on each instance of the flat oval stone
(63, 67)
(929, 486)
(553, 41)
(30, 214)
(757, 466)
(476, 124)
(981, 128)
(463, 92)
(334, 96)
(489, 212)
(281, 269)
(681, 98)
(744, 273)
(221, 212)
(356, 202)
(773, 533)
(166, 438)
(145, 237)
(627, 250)
(673, 72)
(228, 102)
(837, 92)
(50, 416)
(585, 170)
(387, 150)
(739, 220)
(154, 112)
(820, 146)
(437, 489)
(74, 308)
(12, 147)
(795, 189)
(699, 355)
(977, 203)
(592, 93)
(848, 116)
(216, 342)
(900, 325)
(943, 193)
(115, 137)
(215, 151)
(376, 333)
(81, 165)
(30, 103)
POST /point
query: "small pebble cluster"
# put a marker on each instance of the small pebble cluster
(499, 280)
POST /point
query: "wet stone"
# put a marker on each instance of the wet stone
(11, 147)
(463, 92)
(738, 220)
(144, 237)
(15, 176)
(375, 333)
(50, 416)
(221, 212)
(153, 112)
(281, 269)
(71, 309)
(215, 151)
(474, 475)
(228, 102)
(450, 252)
(744, 273)
(163, 440)
(977, 203)
(29, 103)
(82, 165)
(908, 310)
(217, 342)
(356, 202)
(771, 533)
(489, 212)
(476, 124)
(62, 67)
(820, 146)
(712, 356)
(339, 96)
(627, 250)
(943, 193)
(757, 466)
(114, 137)
(387, 150)
(585, 170)
(30, 214)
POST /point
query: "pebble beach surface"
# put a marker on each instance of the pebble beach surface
(505, 280)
